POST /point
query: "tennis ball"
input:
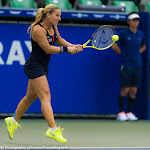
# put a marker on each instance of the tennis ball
(115, 37)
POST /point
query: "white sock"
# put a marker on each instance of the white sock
(14, 121)
(53, 129)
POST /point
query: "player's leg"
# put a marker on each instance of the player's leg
(125, 79)
(12, 122)
(123, 93)
(41, 88)
(135, 83)
(131, 98)
(26, 101)
(133, 92)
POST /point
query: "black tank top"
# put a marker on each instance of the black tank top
(38, 55)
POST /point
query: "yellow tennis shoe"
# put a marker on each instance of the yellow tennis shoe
(57, 135)
(11, 126)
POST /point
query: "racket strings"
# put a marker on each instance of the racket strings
(103, 37)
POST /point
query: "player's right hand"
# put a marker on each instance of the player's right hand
(72, 50)
(78, 47)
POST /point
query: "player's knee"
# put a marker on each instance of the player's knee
(132, 95)
(124, 93)
(46, 97)
(30, 99)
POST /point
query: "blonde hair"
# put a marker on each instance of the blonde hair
(41, 13)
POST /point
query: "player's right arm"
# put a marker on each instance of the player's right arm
(116, 48)
(39, 36)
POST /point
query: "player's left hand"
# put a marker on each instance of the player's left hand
(78, 48)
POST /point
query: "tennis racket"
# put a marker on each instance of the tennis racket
(102, 38)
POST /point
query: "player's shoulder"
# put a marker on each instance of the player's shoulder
(38, 31)
(37, 27)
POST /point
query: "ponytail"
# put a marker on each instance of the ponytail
(40, 15)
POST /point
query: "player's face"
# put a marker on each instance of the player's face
(133, 23)
(54, 17)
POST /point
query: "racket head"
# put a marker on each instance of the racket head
(102, 37)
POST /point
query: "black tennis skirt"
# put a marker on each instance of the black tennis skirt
(34, 70)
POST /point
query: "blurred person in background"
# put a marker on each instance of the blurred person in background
(130, 46)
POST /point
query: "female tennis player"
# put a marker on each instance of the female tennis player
(44, 34)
